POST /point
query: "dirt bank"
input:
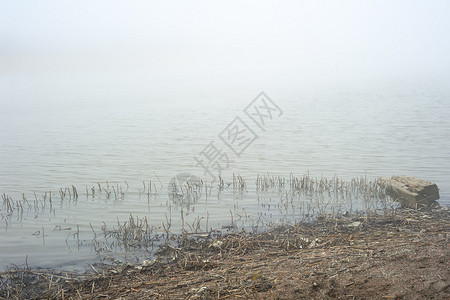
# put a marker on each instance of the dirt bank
(404, 254)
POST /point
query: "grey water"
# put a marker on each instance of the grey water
(112, 137)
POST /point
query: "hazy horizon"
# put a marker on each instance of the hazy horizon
(253, 44)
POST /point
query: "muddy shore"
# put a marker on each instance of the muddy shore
(402, 254)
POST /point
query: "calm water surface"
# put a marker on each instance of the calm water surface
(54, 139)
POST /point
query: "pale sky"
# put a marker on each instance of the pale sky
(289, 41)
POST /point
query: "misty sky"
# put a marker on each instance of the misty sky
(297, 42)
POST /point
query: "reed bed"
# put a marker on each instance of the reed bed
(134, 234)
(280, 200)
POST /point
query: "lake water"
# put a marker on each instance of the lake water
(104, 137)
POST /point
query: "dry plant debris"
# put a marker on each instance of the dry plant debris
(403, 254)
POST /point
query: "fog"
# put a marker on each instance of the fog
(97, 95)
(229, 44)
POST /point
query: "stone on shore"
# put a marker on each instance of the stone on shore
(411, 191)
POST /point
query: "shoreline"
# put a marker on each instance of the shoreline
(403, 254)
